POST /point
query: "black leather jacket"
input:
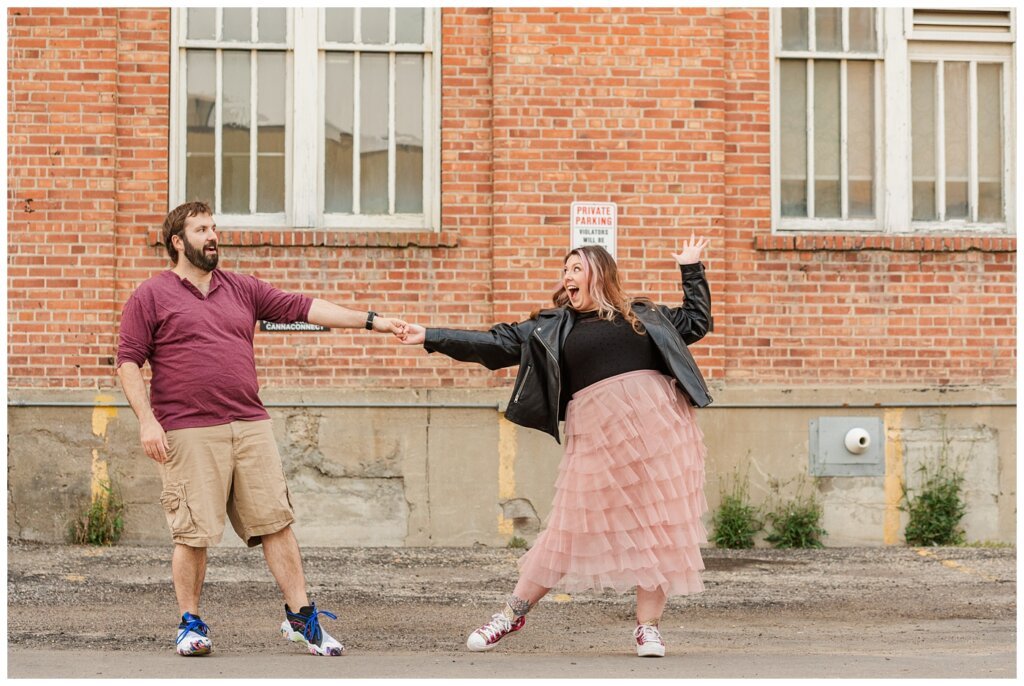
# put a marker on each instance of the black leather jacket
(538, 400)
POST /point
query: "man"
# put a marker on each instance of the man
(203, 422)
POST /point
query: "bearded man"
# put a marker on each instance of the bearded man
(204, 425)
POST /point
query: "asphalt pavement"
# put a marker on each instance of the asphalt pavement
(82, 612)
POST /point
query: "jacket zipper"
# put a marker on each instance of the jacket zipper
(558, 378)
(526, 376)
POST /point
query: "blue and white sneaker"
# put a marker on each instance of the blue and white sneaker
(304, 627)
(193, 636)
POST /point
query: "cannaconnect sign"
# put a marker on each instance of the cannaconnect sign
(294, 326)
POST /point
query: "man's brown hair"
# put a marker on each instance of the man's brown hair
(174, 223)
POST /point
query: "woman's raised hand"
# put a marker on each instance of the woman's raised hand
(412, 334)
(692, 248)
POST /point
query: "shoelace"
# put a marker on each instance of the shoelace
(497, 627)
(646, 633)
(194, 624)
(311, 632)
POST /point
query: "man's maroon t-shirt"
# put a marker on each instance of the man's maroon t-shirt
(200, 347)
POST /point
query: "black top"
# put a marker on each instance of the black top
(597, 349)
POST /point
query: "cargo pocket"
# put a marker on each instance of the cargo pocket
(179, 516)
(288, 497)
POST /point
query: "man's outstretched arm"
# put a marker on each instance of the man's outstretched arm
(337, 317)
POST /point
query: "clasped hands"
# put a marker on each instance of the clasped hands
(409, 334)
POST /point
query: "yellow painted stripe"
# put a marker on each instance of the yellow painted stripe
(100, 477)
(102, 415)
(507, 447)
(893, 476)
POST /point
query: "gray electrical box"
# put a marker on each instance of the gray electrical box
(847, 446)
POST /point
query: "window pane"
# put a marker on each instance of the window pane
(409, 25)
(200, 100)
(270, 182)
(860, 79)
(340, 25)
(862, 29)
(338, 120)
(237, 24)
(922, 135)
(273, 25)
(202, 23)
(793, 117)
(235, 137)
(794, 29)
(828, 28)
(990, 143)
(826, 138)
(373, 138)
(374, 24)
(409, 133)
(271, 134)
(200, 178)
(957, 122)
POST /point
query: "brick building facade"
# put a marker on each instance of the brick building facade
(666, 112)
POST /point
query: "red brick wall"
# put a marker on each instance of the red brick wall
(62, 94)
(663, 111)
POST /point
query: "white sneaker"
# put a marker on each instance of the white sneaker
(306, 629)
(192, 639)
(648, 641)
(487, 636)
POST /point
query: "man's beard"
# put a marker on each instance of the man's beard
(199, 258)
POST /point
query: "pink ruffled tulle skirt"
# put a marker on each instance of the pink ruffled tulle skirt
(629, 494)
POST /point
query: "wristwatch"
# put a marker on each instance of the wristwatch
(369, 320)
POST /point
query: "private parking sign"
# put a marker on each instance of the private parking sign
(594, 223)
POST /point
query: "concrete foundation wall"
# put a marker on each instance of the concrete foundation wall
(444, 468)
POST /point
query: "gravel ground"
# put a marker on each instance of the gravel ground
(887, 603)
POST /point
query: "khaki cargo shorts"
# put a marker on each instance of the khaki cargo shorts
(231, 468)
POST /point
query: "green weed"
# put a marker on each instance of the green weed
(736, 521)
(517, 542)
(796, 523)
(102, 522)
(936, 511)
(987, 544)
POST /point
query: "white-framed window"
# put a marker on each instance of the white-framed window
(892, 120)
(301, 117)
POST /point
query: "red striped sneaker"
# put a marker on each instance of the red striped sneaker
(648, 641)
(487, 636)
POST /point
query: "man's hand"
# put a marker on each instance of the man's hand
(154, 440)
(692, 248)
(412, 334)
(388, 325)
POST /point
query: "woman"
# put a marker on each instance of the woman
(629, 493)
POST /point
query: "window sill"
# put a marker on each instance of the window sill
(329, 238)
(894, 243)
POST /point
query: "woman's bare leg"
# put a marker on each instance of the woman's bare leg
(650, 605)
